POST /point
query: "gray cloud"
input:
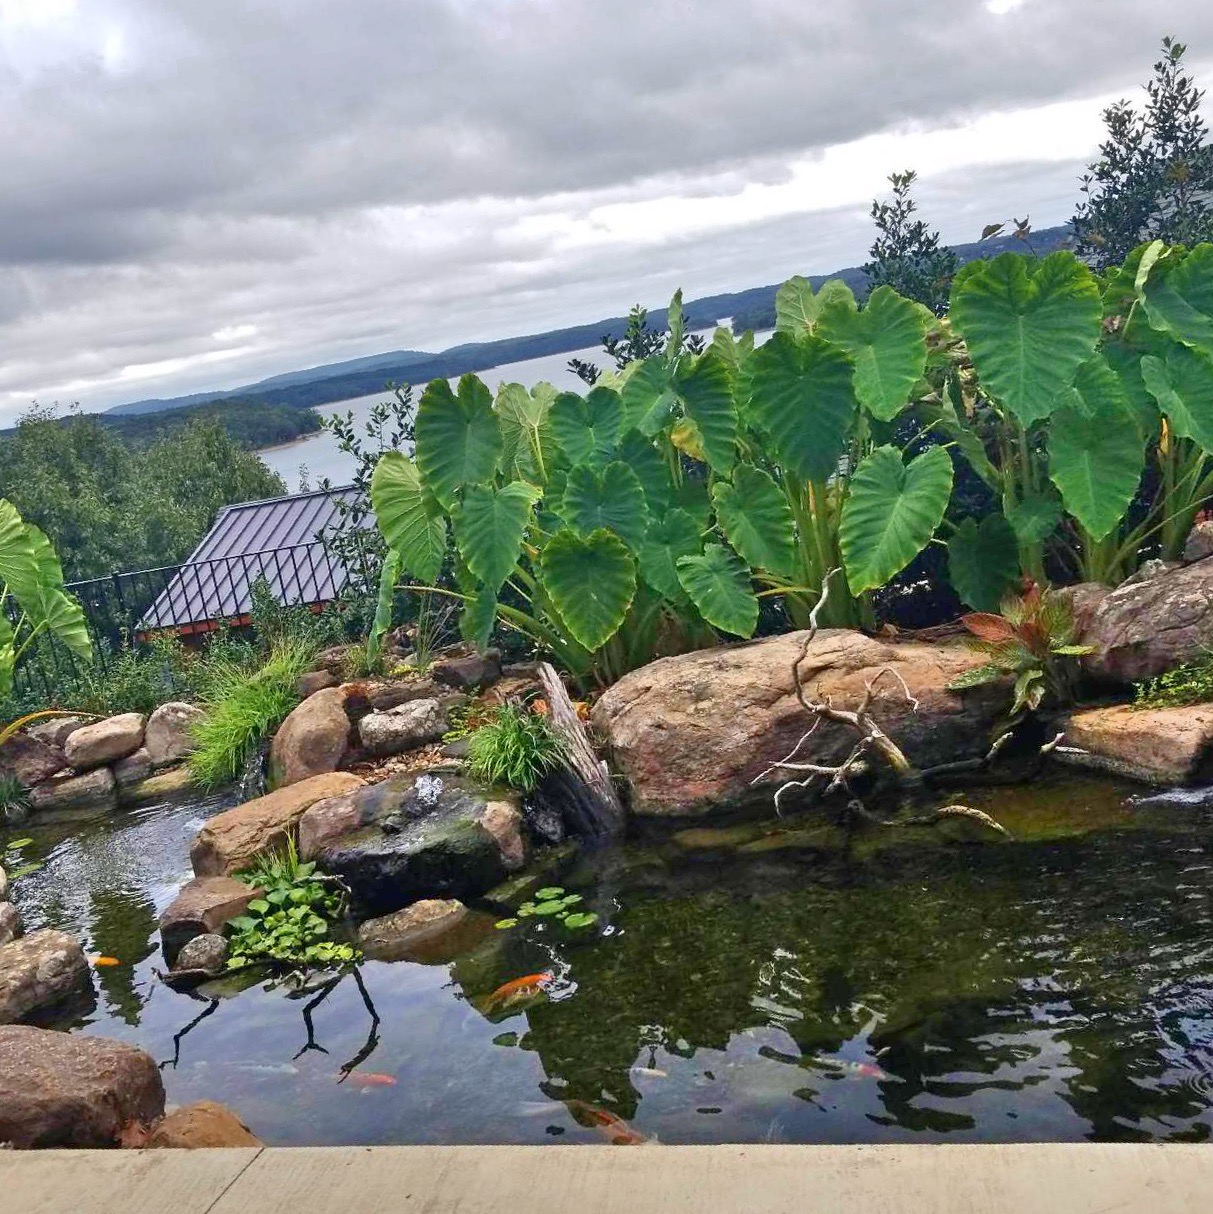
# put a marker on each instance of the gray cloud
(352, 177)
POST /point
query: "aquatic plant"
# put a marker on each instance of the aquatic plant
(1190, 683)
(243, 707)
(1034, 640)
(551, 902)
(14, 863)
(516, 747)
(291, 922)
(14, 799)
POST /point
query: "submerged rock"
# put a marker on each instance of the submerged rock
(169, 737)
(1155, 745)
(411, 837)
(432, 932)
(693, 733)
(202, 1124)
(69, 1090)
(41, 973)
(1177, 798)
(232, 840)
(312, 740)
(104, 741)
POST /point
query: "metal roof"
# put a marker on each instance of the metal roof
(278, 539)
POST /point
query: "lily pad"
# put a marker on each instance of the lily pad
(548, 893)
(550, 907)
(581, 919)
(503, 924)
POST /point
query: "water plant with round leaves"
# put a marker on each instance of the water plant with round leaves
(551, 903)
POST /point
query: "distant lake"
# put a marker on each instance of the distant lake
(318, 453)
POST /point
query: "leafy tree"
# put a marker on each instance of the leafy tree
(906, 254)
(639, 341)
(1154, 175)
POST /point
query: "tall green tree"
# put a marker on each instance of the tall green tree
(1154, 176)
(906, 254)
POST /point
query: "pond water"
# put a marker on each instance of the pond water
(743, 985)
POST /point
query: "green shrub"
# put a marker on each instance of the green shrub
(290, 924)
(517, 747)
(1191, 683)
(14, 801)
(243, 707)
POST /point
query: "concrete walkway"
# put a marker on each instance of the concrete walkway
(1058, 1179)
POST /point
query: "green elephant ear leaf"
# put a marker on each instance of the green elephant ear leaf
(527, 446)
(589, 427)
(591, 583)
(18, 564)
(457, 437)
(983, 561)
(718, 583)
(1096, 453)
(611, 497)
(886, 342)
(410, 518)
(796, 307)
(641, 455)
(1182, 384)
(647, 397)
(1036, 517)
(671, 535)
(489, 526)
(891, 513)
(757, 520)
(804, 397)
(1029, 326)
(478, 617)
(1178, 297)
(389, 575)
(707, 395)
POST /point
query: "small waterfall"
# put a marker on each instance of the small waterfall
(253, 782)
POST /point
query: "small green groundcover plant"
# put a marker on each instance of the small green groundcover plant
(551, 902)
(291, 923)
(1191, 683)
(516, 747)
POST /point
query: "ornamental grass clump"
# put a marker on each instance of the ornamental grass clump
(516, 747)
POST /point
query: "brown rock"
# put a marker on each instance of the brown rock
(314, 681)
(31, 761)
(170, 732)
(692, 733)
(3, 886)
(94, 790)
(385, 696)
(206, 953)
(1143, 628)
(160, 786)
(1165, 746)
(336, 659)
(433, 932)
(104, 741)
(10, 923)
(330, 819)
(1085, 600)
(40, 972)
(1199, 545)
(202, 1124)
(201, 908)
(55, 730)
(133, 769)
(234, 839)
(69, 1090)
(468, 672)
(312, 740)
(503, 820)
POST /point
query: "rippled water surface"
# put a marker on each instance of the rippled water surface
(747, 985)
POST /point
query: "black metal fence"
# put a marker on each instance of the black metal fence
(188, 600)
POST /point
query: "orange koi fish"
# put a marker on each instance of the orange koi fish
(520, 989)
(864, 1070)
(613, 1128)
(368, 1079)
(100, 961)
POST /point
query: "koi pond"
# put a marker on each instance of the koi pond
(741, 985)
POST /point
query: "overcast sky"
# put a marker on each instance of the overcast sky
(197, 193)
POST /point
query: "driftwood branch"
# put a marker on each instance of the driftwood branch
(583, 787)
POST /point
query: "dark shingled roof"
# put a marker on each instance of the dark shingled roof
(275, 539)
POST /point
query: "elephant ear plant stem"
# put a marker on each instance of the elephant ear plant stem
(874, 761)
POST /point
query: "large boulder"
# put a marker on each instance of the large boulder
(1148, 625)
(160, 786)
(169, 737)
(696, 733)
(30, 760)
(411, 837)
(55, 730)
(61, 1090)
(201, 908)
(468, 672)
(433, 932)
(202, 1124)
(402, 728)
(1165, 746)
(41, 973)
(312, 740)
(132, 770)
(95, 789)
(233, 839)
(10, 923)
(104, 741)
